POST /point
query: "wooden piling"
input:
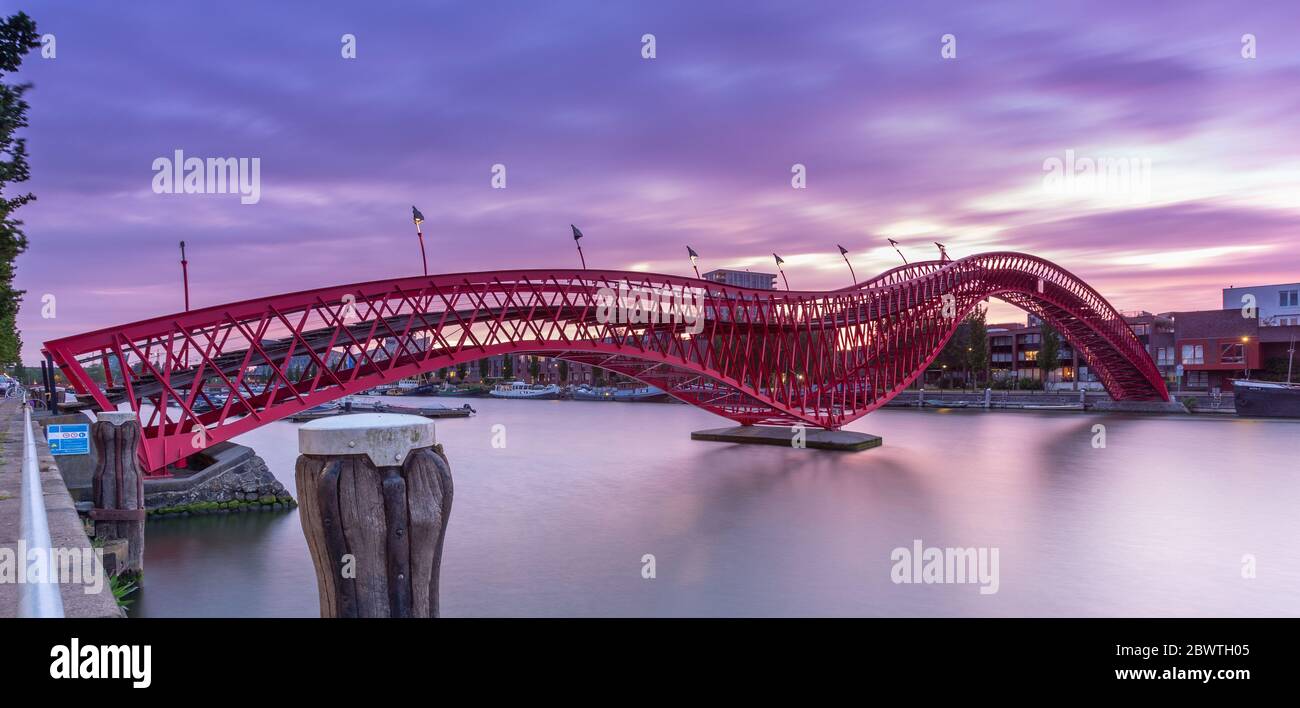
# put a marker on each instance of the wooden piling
(117, 487)
(374, 495)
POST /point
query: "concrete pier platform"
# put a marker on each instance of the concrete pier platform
(815, 438)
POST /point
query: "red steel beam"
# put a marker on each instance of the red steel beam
(822, 359)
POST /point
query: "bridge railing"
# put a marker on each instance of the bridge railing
(38, 594)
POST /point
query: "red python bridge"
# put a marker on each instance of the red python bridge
(771, 357)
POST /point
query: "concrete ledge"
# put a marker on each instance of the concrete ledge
(66, 529)
(1109, 406)
(815, 438)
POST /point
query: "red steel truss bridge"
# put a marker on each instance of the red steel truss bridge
(772, 357)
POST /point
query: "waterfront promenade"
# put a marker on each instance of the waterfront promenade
(66, 529)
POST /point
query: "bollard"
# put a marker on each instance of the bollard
(117, 487)
(374, 496)
(988, 397)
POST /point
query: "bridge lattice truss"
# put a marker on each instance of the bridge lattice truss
(756, 356)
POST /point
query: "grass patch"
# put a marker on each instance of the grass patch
(122, 588)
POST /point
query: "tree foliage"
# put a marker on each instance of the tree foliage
(977, 355)
(1049, 350)
(17, 37)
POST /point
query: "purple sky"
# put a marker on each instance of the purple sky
(693, 147)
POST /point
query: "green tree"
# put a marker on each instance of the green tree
(462, 370)
(564, 371)
(508, 367)
(484, 368)
(17, 37)
(1049, 350)
(977, 342)
(534, 368)
(952, 358)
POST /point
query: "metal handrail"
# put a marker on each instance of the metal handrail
(36, 599)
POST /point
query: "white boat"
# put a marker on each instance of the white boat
(639, 392)
(519, 389)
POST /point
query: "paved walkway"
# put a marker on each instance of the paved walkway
(66, 530)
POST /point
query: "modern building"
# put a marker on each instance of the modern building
(742, 278)
(1276, 305)
(1156, 332)
(1213, 346)
(1013, 352)
(1014, 348)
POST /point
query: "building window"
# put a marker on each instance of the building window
(1288, 298)
(1165, 356)
(1141, 329)
(1232, 353)
(1198, 379)
(1193, 354)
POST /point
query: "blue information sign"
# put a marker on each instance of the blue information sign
(69, 439)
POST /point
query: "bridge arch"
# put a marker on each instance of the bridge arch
(755, 356)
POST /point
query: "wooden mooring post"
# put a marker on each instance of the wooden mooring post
(117, 488)
(374, 495)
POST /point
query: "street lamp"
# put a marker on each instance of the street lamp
(418, 218)
(185, 276)
(844, 252)
(779, 261)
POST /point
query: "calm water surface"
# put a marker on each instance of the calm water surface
(556, 523)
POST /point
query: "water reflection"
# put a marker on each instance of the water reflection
(556, 523)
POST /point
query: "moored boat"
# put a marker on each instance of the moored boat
(1267, 399)
(640, 393)
(585, 392)
(521, 390)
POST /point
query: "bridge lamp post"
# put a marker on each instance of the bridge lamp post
(894, 243)
(418, 218)
(784, 279)
(694, 257)
(185, 277)
(845, 253)
(577, 235)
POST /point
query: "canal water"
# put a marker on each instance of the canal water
(1185, 516)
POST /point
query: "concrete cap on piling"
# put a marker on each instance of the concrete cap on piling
(386, 438)
(115, 418)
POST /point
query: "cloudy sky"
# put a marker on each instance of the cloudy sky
(695, 146)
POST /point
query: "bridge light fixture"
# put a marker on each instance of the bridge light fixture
(418, 219)
(844, 253)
